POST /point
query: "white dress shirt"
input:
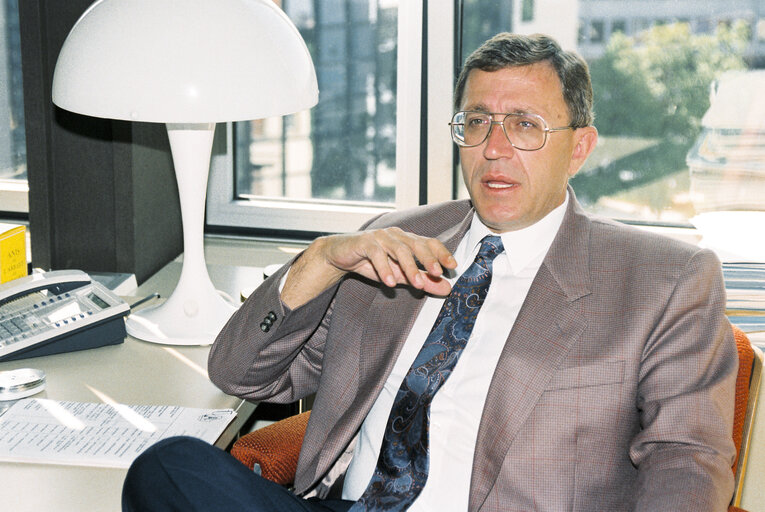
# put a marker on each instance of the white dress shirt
(456, 409)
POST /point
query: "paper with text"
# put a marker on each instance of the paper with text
(97, 434)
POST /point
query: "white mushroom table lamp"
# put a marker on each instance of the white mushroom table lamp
(189, 64)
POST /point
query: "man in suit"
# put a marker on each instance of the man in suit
(600, 367)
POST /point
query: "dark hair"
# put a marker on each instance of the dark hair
(509, 50)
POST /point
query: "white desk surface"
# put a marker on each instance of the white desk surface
(133, 372)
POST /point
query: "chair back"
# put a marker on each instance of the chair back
(747, 387)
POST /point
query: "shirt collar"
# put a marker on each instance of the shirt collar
(523, 247)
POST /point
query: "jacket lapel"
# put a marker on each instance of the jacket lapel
(548, 324)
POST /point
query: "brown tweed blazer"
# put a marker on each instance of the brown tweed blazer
(614, 390)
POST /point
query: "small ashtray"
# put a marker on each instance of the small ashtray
(21, 383)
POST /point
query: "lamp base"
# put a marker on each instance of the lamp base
(181, 320)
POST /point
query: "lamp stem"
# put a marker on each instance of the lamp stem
(191, 146)
(195, 312)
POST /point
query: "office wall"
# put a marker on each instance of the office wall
(102, 193)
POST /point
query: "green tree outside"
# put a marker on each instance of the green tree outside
(656, 85)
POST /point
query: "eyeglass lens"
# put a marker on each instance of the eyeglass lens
(525, 131)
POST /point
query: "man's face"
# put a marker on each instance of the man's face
(512, 189)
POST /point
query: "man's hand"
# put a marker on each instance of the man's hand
(389, 256)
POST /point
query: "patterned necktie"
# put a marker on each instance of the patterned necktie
(402, 467)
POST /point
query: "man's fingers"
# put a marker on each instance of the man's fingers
(442, 254)
(430, 252)
(381, 263)
(432, 255)
(406, 261)
(436, 285)
(391, 256)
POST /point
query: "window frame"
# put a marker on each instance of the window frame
(224, 209)
(14, 193)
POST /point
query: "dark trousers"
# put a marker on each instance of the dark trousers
(186, 474)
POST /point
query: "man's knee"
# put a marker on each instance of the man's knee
(186, 474)
(151, 475)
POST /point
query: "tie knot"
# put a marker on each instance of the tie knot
(490, 247)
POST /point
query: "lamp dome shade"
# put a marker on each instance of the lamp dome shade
(184, 61)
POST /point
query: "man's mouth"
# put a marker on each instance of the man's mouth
(499, 184)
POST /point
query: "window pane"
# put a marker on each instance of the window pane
(527, 11)
(665, 153)
(596, 31)
(343, 149)
(619, 25)
(660, 157)
(481, 19)
(13, 152)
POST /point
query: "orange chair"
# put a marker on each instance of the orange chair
(273, 450)
(750, 360)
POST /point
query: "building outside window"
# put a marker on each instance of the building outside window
(597, 31)
(339, 156)
(344, 148)
(619, 25)
(527, 10)
(481, 19)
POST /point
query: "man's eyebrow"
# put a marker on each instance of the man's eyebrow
(480, 107)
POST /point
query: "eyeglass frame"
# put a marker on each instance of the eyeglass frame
(546, 130)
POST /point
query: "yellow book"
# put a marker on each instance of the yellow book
(13, 252)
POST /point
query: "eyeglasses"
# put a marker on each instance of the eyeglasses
(527, 132)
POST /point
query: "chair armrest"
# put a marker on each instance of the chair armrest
(273, 449)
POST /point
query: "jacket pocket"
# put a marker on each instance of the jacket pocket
(599, 374)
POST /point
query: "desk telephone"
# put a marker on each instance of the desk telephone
(58, 311)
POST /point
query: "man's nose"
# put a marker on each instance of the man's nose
(497, 144)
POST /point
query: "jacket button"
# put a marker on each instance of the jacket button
(265, 327)
(272, 316)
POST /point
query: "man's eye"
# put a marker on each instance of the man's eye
(526, 125)
(476, 121)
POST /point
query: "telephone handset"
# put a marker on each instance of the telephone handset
(58, 311)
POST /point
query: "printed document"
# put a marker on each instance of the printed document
(97, 434)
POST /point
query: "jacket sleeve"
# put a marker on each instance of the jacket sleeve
(281, 363)
(267, 351)
(684, 449)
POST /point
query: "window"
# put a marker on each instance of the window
(338, 158)
(643, 24)
(583, 31)
(527, 11)
(651, 93)
(619, 25)
(13, 153)
(481, 19)
(344, 148)
(596, 31)
(653, 164)
(667, 154)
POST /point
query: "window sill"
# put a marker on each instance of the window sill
(14, 196)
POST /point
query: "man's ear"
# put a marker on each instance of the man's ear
(585, 140)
